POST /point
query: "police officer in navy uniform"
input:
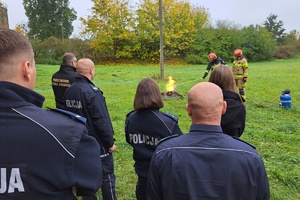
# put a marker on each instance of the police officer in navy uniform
(206, 163)
(87, 100)
(63, 78)
(45, 154)
(144, 127)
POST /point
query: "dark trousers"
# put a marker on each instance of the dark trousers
(109, 180)
(141, 188)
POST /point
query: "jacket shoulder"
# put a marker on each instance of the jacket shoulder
(130, 113)
(167, 138)
(220, 60)
(171, 116)
(244, 142)
(95, 88)
(69, 114)
(244, 61)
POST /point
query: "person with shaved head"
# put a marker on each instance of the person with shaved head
(87, 100)
(205, 163)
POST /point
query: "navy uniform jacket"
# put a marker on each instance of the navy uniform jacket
(143, 129)
(234, 119)
(61, 80)
(43, 153)
(206, 164)
(85, 99)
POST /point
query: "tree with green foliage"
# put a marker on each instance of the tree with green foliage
(22, 28)
(290, 46)
(221, 41)
(202, 46)
(275, 27)
(258, 43)
(180, 23)
(179, 27)
(49, 18)
(147, 29)
(200, 16)
(226, 24)
(292, 37)
(110, 27)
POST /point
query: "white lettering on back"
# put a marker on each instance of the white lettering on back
(143, 139)
(15, 181)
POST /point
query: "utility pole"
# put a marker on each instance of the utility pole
(3, 15)
(161, 41)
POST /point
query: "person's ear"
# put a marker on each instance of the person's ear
(26, 70)
(224, 107)
(188, 109)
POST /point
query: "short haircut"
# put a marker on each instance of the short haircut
(223, 77)
(68, 58)
(147, 95)
(13, 47)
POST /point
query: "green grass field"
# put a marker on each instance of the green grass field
(273, 130)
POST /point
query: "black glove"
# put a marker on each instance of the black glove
(205, 74)
(245, 79)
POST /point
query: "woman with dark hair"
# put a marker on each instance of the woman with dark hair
(234, 119)
(144, 127)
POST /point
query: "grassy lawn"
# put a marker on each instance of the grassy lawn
(273, 130)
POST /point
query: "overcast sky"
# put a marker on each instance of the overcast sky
(243, 12)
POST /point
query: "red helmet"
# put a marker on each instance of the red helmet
(238, 53)
(212, 56)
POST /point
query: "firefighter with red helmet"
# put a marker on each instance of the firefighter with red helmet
(240, 71)
(214, 62)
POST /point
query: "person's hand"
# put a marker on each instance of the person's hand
(113, 148)
(245, 79)
(74, 190)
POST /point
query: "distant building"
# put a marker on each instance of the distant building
(3, 15)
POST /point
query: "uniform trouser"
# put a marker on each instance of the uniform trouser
(141, 188)
(241, 85)
(108, 180)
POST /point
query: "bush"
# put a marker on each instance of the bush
(258, 43)
(194, 59)
(285, 51)
(47, 61)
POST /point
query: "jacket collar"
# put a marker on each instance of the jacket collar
(67, 68)
(231, 95)
(13, 95)
(205, 128)
(83, 79)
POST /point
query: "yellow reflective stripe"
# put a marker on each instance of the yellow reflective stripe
(238, 76)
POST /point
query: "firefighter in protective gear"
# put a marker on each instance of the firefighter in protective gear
(214, 61)
(240, 72)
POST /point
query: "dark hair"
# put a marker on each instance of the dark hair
(12, 46)
(68, 58)
(223, 77)
(147, 95)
